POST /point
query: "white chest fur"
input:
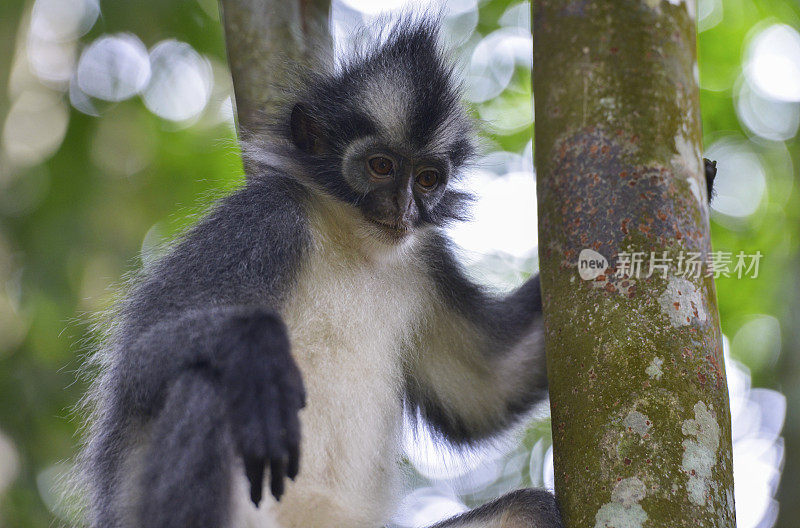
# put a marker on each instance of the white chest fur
(349, 317)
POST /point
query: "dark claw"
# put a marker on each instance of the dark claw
(294, 462)
(254, 469)
(277, 474)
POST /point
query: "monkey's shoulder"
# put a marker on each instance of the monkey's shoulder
(246, 250)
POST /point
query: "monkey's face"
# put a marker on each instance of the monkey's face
(387, 134)
(398, 192)
(395, 179)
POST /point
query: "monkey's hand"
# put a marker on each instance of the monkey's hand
(265, 392)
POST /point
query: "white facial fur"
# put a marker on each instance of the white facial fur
(352, 169)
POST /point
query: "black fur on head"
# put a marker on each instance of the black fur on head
(396, 100)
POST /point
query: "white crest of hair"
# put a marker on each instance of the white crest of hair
(386, 101)
(349, 344)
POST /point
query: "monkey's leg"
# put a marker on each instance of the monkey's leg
(525, 508)
(188, 464)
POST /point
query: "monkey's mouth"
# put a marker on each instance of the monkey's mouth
(395, 231)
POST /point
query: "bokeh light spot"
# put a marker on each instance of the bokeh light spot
(114, 68)
(493, 62)
(773, 62)
(767, 117)
(181, 81)
(34, 127)
(742, 183)
(60, 20)
(758, 342)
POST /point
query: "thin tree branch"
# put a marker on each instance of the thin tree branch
(265, 39)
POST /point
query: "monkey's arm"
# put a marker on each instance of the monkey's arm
(200, 370)
(208, 385)
(479, 362)
(243, 352)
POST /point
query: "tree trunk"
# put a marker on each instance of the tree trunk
(265, 39)
(641, 421)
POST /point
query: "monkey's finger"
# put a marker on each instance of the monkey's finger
(293, 467)
(254, 469)
(277, 473)
(291, 440)
(291, 384)
(273, 418)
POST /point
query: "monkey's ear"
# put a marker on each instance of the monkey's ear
(306, 132)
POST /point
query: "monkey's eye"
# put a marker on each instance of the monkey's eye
(380, 166)
(428, 179)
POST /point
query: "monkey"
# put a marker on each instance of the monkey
(280, 341)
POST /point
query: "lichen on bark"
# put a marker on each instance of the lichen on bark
(637, 382)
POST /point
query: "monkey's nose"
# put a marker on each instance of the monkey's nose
(405, 208)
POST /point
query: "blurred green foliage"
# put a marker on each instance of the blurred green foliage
(70, 228)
